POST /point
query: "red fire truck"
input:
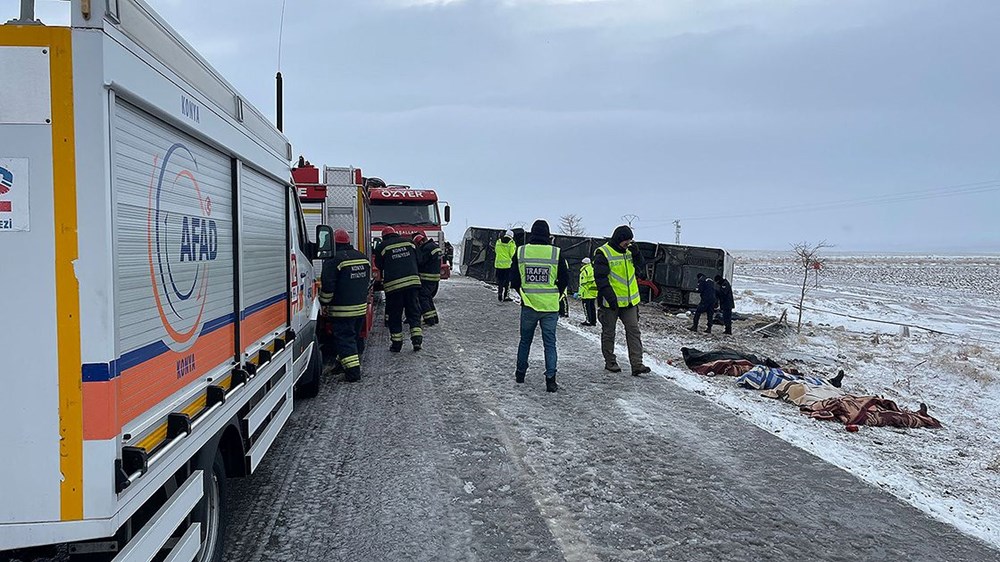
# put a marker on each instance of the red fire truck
(408, 210)
(338, 200)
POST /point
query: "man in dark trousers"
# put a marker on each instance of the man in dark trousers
(726, 302)
(588, 293)
(616, 273)
(429, 265)
(449, 254)
(397, 260)
(540, 274)
(344, 287)
(503, 252)
(706, 288)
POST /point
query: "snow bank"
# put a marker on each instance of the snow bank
(951, 474)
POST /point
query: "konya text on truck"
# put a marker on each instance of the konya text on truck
(157, 290)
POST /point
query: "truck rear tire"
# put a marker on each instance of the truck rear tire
(308, 386)
(211, 512)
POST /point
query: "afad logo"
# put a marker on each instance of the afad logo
(6, 184)
(183, 241)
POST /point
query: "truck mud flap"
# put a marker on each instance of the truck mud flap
(149, 541)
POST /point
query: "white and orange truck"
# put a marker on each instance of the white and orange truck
(156, 289)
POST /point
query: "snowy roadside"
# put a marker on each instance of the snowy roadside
(952, 473)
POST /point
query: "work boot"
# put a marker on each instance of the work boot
(728, 332)
(418, 342)
(641, 370)
(519, 377)
(353, 374)
(693, 328)
(396, 347)
(550, 385)
(707, 330)
(613, 367)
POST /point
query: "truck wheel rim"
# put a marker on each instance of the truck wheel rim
(211, 536)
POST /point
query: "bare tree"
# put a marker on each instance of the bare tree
(807, 257)
(572, 225)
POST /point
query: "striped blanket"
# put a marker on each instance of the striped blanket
(765, 378)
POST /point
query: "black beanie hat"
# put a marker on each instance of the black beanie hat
(540, 231)
(621, 234)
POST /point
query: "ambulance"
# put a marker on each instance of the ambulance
(155, 289)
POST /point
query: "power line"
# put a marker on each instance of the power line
(902, 197)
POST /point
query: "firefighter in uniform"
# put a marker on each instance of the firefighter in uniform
(429, 264)
(616, 269)
(397, 260)
(345, 282)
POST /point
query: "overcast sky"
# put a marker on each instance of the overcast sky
(518, 109)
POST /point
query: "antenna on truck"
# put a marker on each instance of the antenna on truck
(279, 114)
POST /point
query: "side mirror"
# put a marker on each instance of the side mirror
(324, 242)
(447, 214)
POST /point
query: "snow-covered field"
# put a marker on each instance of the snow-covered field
(951, 473)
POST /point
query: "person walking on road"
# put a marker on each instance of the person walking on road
(503, 251)
(397, 260)
(344, 286)
(540, 274)
(588, 293)
(726, 302)
(616, 269)
(429, 266)
(449, 254)
(706, 289)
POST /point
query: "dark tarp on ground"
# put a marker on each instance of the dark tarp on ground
(672, 268)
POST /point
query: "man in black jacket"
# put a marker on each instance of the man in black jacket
(344, 286)
(397, 260)
(429, 264)
(706, 289)
(617, 269)
(532, 277)
(726, 302)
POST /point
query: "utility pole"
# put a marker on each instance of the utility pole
(629, 219)
(677, 231)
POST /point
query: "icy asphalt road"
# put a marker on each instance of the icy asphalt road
(439, 455)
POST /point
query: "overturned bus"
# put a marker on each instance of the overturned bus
(671, 270)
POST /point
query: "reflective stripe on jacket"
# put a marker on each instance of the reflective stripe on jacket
(622, 276)
(344, 284)
(588, 287)
(538, 266)
(397, 258)
(504, 254)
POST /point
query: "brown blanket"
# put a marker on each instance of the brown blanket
(802, 394)
(869, 410)
(728, 367)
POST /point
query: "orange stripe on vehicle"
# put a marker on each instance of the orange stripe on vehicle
(262, 323)
(141, 387)
(100, 411)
